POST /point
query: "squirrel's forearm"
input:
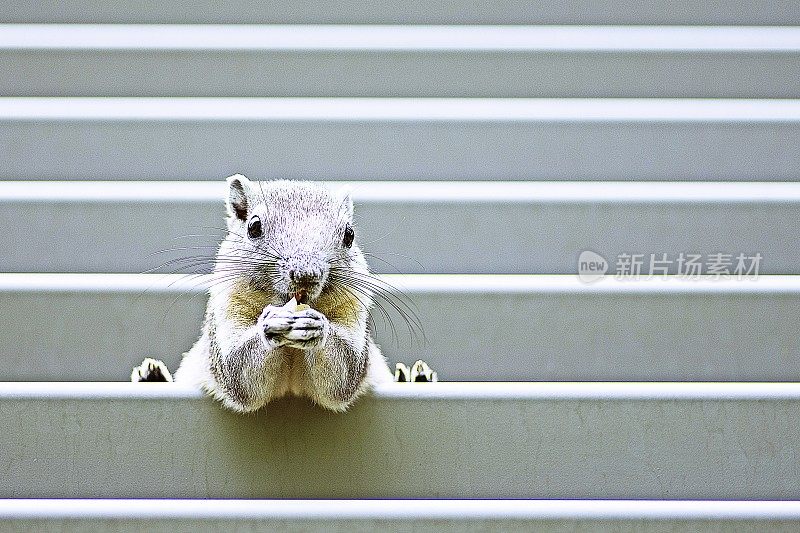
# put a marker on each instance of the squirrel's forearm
(246, 372)
(337, 370)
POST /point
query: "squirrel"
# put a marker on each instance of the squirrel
(288, 305)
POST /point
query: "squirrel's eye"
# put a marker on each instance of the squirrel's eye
(349, 235)
(254, 229)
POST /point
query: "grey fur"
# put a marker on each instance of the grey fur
(252, 349)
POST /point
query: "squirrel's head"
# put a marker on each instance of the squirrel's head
(287, 237)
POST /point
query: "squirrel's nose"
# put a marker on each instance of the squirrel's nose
(305, 276)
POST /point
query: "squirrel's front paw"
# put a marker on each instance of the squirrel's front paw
(273, 324)
(150, 370)
(306, 329)
(309, 330)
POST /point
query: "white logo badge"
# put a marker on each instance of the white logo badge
(591, 266)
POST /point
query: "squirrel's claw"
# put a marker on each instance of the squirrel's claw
(422, 373)
(402, 374)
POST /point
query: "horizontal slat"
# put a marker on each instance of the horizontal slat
(355, 110)
(535, 443)
(406, 139)
(52, 37)
(780, 12)
(511, 391)
(371, 525)
(521, 227)
(388, 515)
(388, 192)
(414, 284)
(481, 328)
(401, 510)
(441, 61)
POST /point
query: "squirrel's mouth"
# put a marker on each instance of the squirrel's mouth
(301, 296)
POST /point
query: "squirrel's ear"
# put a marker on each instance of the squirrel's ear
(347, 203)
(238, 196)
